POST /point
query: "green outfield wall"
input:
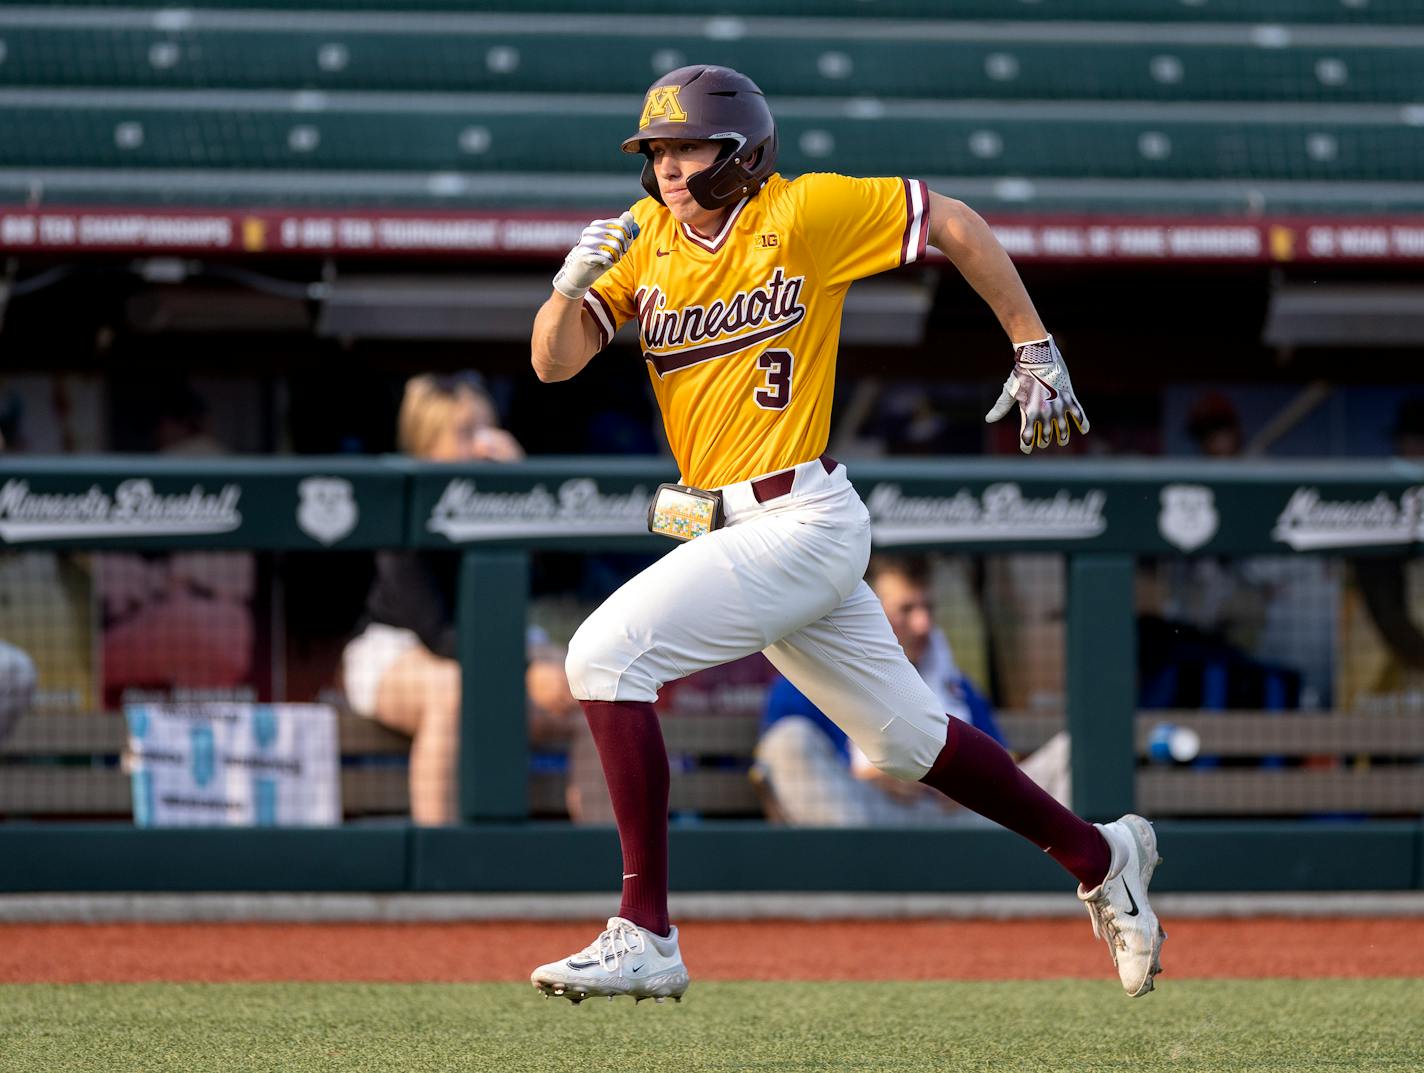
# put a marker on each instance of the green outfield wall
(1101, 515)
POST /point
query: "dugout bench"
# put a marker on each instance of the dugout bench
(68, 766)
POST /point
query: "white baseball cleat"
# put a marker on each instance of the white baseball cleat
(1119, 908)
(624, 960)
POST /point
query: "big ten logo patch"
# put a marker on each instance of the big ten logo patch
(769, 241)
(662, 103)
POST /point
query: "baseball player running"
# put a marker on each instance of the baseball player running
(736, 277)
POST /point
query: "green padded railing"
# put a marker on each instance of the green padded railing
(1100, 515)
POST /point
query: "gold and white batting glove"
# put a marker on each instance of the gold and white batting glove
(1040, 385)
(599, 248)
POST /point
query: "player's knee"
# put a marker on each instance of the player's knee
(606, 663)
(903, 750)
(579, 666)
(590, 666)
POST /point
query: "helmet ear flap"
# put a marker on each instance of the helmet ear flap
(734, 177)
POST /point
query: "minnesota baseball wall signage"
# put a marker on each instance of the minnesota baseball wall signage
(133, 509)
(1001, 511)
(1313, 520)
(466, 512)
(117, 502)
(973, 505)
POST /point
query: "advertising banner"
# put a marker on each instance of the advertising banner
(221, 765)
(501, 234)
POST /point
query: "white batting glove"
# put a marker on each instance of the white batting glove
(599, 248)
(1040, 385)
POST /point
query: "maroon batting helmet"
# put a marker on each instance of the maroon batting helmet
(713, 103)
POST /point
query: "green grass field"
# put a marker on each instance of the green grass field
(1222, 1027)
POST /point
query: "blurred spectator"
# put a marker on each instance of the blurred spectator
(1215, 426)
(17, 675)
(1256, 631)
(451, 418)
(818, 777)
(46, 618)
(179, 621)
(1409, 428)
(1383, 649)
(181, 423)
(401, 668)
(17, 686)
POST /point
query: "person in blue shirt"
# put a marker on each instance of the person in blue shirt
(816, 775)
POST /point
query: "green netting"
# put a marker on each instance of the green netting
(613, 63)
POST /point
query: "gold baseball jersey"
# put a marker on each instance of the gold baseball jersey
(740, 330)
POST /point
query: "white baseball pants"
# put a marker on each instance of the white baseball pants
(784, 578)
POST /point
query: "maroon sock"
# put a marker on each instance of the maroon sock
(976, 771)
(635, 763)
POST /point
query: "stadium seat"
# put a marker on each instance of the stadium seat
(955, 61)
(1248, 11)
(567, 134)
(1158, 106)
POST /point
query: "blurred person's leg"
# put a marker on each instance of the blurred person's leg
(389, 676)
(17, 686)
(419, 695)
(814, 787)
(812, 784)
(1048, 765)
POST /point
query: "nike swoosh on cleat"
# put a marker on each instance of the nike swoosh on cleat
(637, 970)
(1052, 394)
(1131, 900)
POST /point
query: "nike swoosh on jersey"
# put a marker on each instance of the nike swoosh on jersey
(664, 253)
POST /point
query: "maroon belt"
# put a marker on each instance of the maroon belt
(774, 485)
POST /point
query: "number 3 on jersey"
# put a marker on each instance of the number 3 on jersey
(776, 369)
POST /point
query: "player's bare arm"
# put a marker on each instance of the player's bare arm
(565, 339)
(961, 234)
(1039, 382)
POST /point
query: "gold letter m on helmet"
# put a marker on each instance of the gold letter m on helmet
(662, 103)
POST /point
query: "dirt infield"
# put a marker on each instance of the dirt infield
(715, 950)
